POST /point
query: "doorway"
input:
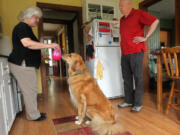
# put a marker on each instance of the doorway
(60, 24)
(166, 35)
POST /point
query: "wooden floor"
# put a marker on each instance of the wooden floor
(147, 122)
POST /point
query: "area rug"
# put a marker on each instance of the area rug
(66, 126)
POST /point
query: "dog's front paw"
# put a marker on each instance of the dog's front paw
(88, 122)
(77, 117)
(78, 122)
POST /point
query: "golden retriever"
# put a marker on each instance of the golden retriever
(90, 100)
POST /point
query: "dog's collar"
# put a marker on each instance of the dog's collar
(80, 73)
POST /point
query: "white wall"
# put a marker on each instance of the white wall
(5, 45)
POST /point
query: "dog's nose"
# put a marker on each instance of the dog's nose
(63, 55)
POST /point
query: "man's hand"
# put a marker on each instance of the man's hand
(138, 40)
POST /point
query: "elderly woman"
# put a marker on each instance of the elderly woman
(25, 58)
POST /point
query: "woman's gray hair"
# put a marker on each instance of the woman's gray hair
(29, 12)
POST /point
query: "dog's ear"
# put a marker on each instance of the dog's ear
(76, 65)
(73, 67)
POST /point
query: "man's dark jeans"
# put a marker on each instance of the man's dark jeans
(132, 66)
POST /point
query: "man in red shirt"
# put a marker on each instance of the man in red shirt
(132, 48)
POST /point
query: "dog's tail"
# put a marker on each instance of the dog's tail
(106, 128)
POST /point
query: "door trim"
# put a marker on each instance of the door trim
(144, 6)
(65, 8)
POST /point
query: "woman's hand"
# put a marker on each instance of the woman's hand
(55, 46)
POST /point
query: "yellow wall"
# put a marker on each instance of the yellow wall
(136, 3)
(9, 10)
(0, 7)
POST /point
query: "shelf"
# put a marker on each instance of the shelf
(94, 8)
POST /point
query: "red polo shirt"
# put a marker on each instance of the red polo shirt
(132, 26)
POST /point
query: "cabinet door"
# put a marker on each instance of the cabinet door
(3, 120)
(104, 9)
(109, 10)
(15, 95)
(94, 11)
(13, 100)
(9, 101)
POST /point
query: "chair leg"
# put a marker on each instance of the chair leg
(170, 97)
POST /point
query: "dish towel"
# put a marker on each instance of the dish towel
(99, 70)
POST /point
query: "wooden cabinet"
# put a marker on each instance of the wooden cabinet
(7, 111)
(101, 9)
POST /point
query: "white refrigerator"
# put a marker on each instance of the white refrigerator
(106, 43)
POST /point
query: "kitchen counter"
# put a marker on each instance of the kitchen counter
(4, 56)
